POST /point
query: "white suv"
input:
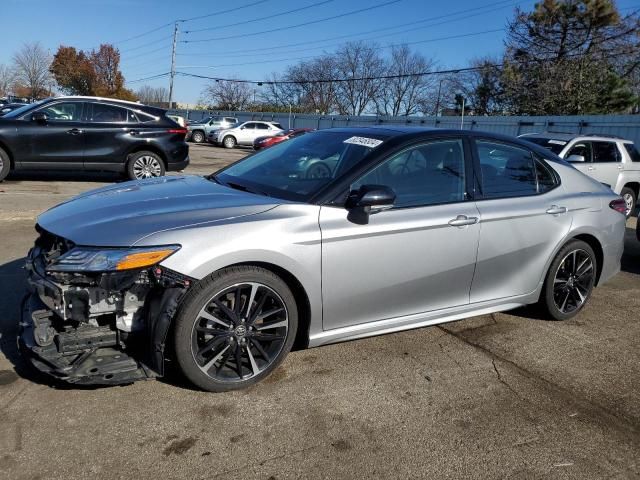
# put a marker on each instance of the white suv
(246, 133)
(608, 159)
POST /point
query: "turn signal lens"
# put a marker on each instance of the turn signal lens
(143, 259)
(619, 205)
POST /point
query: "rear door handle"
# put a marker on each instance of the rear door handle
(462, 220)
(620, 167)
(134, 132)
(75, 131)
(556, 210)
(591, 168)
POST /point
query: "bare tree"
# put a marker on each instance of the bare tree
(153, 95)
(7, 77)
(361, 62)
(406, 90)
(31, 66)
(227, 94)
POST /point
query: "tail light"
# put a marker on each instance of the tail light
(182, 131)
(619, 205)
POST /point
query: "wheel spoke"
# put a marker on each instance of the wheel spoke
(256, 312)
(211, 318)
(256, 344)
(270, 312)
(227, 311)
(210, 345)
(208, 365)
(577, 290)
(252, 296)
(239, 360)
(268, 336)
(254, 365)
(565, 301)
(278, 324)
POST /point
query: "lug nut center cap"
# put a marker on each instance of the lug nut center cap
(240, 331)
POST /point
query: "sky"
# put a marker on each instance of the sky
(250, 39)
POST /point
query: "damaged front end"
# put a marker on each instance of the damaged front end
(98, 315)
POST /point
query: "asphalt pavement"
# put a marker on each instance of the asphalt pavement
(507, 395)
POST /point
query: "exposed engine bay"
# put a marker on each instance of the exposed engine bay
(96, 327)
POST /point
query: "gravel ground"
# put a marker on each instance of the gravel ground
(500, 396)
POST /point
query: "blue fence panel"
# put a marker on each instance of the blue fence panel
(625, 126)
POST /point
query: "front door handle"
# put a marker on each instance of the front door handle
(591, 168)
(75, 131)
(620, 167)
(462, 220)
(556, 210)
(134, 132)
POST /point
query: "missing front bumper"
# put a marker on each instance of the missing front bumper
(84, 355)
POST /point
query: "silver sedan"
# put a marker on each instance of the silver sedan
(225, 274)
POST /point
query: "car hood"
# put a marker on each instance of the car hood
(123, 214)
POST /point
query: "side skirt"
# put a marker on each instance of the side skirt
(419, 320)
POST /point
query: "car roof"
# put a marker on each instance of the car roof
(572, 136)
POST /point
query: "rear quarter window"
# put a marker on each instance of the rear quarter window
(632, 151)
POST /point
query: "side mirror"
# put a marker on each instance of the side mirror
(367, 200)
(40, 117)
(576, 158)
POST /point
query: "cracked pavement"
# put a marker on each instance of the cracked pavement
(499, 396)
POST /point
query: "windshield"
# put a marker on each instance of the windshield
(552, 144)
(299, 168)
(19, 111)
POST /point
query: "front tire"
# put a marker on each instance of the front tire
(5, 164)
(569, 281)
(145, 164)
(229, 142)
(234, 328)
(630, 199)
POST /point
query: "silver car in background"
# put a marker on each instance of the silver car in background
(225, 274)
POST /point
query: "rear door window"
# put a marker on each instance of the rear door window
(632, 151)
(506, 170)
(605, 152)
(582, 149)
(262, 126)
(102, 113)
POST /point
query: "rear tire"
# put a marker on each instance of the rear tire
(145, 164)
(630, 199)
(569, 281)
(197, 137)
(234, 328)
(229, 141)
(5, 164)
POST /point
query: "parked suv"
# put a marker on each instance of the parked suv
(246, 133)
(198, 131)
(611, 160)
(94, 134)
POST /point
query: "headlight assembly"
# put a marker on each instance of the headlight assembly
(94, 259)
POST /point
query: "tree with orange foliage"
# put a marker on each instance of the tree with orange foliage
(94, 73)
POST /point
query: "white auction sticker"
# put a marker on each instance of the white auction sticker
(364, 141)
(558, 142)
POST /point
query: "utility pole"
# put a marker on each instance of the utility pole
(173, 64)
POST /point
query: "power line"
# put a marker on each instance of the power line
(238, 53)
(451, 37)
(155, 42)
(383, 77)
(164, 47)
(311, 22)
(260, 18)
(143, 34)
(220, 13)
(152, 77)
